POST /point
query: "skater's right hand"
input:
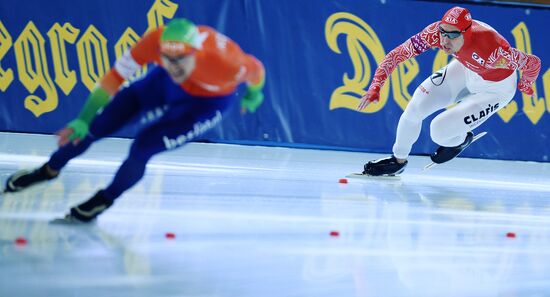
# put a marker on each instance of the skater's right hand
(75, 131)
(373, 94)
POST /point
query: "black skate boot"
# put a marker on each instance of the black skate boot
(23, 179)
(89, 210)
(384, 167)
(444, 153)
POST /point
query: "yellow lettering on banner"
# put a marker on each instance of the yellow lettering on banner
(359, 35)
(546, 85)
(127, 40)
(161, 9)
(533, 106)
(6, 76)
(507, 112)
(92, 56)
(64, 78)
(32, 68)
(401, 78)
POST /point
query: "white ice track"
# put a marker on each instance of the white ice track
(255, 221)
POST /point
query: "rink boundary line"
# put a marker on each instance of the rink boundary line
(27, 159)
(504, 219)
(103, 281)
(471, 182)
(430, 253)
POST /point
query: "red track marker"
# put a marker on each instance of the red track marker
(20, 240)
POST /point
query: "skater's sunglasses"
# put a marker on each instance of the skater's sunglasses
(174, 60)
(451, 34)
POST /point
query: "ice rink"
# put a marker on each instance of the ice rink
(253, 221)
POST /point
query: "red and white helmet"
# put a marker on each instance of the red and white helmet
(458, 17)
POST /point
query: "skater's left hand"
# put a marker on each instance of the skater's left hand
(251, 100)
(526, 87)
(75, 131)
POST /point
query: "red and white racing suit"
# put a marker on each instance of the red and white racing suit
(482, 79)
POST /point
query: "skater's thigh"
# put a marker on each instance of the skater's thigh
(146, 94)
(123, 107)
(470, 113)
(438, 91)
(179, 126)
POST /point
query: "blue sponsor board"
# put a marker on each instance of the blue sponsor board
(319, 55)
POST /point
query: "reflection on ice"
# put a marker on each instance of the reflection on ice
(256, 221)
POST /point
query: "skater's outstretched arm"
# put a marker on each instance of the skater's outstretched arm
(255, 81)
(414, 46)
(145, 51)
(512, 58)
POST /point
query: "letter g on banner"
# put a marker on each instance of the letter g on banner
(358, 36)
